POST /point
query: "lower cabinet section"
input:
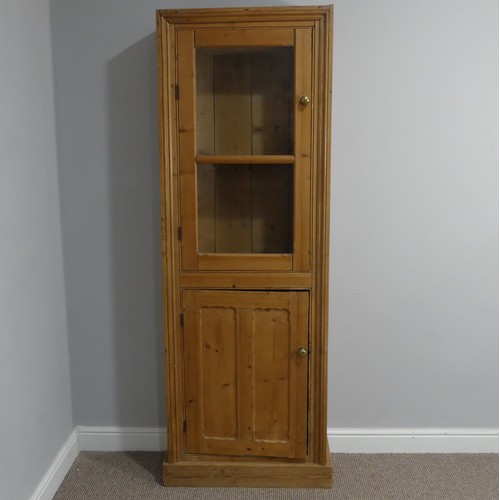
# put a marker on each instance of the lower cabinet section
(246, 370)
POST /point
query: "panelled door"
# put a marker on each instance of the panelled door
(246, 372)
(244, 115)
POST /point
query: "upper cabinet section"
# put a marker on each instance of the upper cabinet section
(242, 97)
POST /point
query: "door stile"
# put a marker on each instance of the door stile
(303, 130)
(192, 363)
(299, 367)
(187, 148)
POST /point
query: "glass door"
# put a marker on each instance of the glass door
(244, 112)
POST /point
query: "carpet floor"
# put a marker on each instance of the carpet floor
(137, 475)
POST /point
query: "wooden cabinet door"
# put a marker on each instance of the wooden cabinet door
(245, 382)
(245, 148)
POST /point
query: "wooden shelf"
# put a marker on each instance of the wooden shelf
(246, 159)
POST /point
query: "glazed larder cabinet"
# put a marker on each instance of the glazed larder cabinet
(244, 114)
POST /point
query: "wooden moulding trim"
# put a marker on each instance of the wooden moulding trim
(249, 474)
(247, 24)
(170, 257)
(315, 173)
(255, 279)
(246, 159)
(164, 140)
(256, 14)
(320, 278)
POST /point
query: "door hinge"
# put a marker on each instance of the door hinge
(182, 319)
(177, 92)
(184, 426)
(179, 233)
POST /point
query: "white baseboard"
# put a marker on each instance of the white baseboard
(413, 440)
(341, 440)
(58, 469)
(122, 438)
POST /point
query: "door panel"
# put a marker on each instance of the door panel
(245, 385)
(218, 362)
(271, 330)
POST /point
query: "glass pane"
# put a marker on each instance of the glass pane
(244, 101)
(245, 208)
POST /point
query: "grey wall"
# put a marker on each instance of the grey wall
(414, 303)
(415, 229)
(35, 398)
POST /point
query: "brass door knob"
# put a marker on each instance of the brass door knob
(304, 100)
(302, 351)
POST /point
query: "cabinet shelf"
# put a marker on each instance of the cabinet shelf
(245, 159)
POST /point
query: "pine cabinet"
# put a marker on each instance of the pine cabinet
(244, 115)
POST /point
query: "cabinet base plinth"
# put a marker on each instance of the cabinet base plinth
(248, 474)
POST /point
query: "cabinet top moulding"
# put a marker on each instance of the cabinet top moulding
(253, 14)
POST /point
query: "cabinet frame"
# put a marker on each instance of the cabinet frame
(181, 468)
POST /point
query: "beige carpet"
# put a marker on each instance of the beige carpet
(136, 475)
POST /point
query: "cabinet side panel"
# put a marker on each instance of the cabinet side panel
(323, 72)
(170, 257)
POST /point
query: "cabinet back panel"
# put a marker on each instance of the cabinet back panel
(245, 208)
(244, 101)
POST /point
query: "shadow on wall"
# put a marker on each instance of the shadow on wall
(134, 197)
